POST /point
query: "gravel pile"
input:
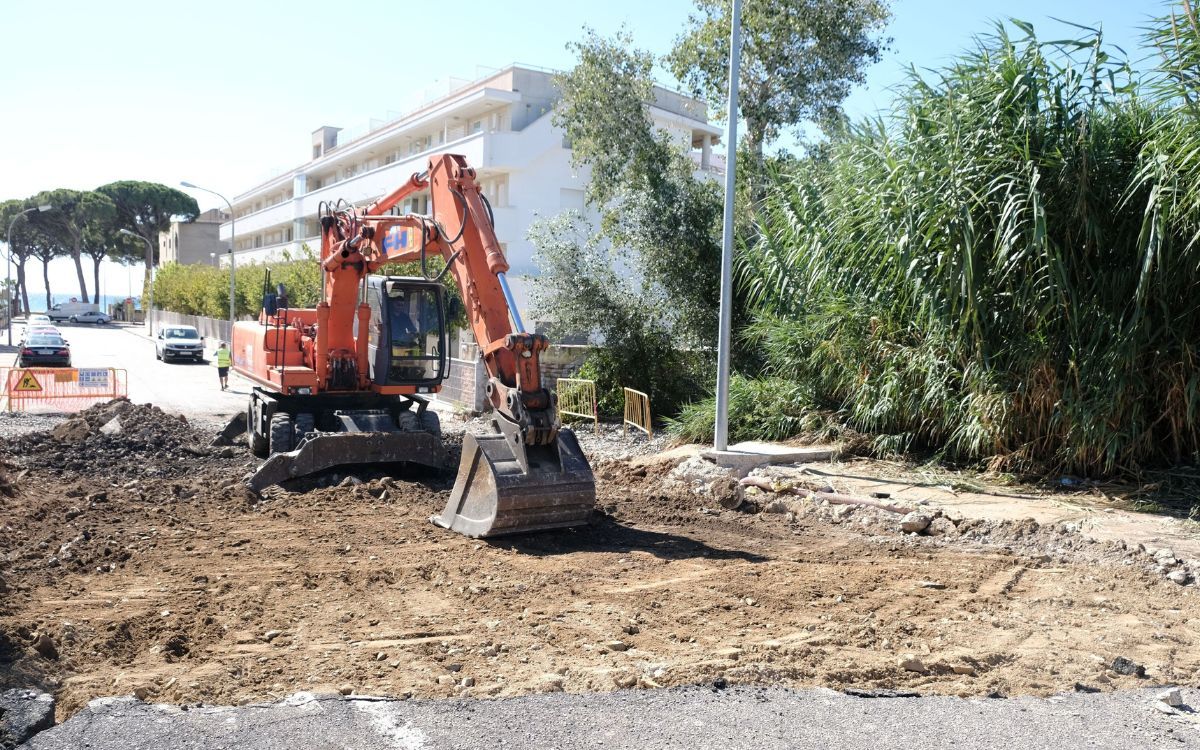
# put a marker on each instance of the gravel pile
(118, 440)
(20, 423)
(796, 498)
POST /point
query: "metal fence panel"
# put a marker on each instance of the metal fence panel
(577, 397)
(637, 412)
(61, 389)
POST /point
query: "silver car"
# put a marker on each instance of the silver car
(179, 342)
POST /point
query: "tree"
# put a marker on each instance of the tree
(666, 222)
(603, 111)
(147, 209)
(104, 240)
(45, 245)
(75, 213)
(799, 59)
(20, 251)
(580, 289)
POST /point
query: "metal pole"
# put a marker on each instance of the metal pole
(232, 264)
(8, 275)
(721, 432)
(148, 308)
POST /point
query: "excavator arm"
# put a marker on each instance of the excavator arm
(532, 473)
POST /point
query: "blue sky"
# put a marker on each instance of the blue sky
(225, 93)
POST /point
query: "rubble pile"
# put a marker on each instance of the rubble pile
(118, 440)
(785, 491)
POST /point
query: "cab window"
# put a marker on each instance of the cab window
(415, 332)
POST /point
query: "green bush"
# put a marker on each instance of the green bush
(204, 290)
(670, 377)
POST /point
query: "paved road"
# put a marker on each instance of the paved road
(178, 387)
(750, 718)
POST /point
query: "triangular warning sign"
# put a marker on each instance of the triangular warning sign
(28, 382)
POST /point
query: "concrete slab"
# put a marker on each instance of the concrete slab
(744, 456)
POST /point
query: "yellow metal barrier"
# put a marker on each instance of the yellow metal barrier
(577, 397)
(61, 389)
(637, 412)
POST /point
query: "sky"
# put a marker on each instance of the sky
(225, 94)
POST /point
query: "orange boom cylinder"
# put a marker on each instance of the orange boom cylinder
(348, 382)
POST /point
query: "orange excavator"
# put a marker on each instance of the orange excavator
(348, 383)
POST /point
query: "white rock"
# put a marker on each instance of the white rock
(1179, 576)
(112, 427)
(942, 526)
(1172, 697)
(910, 663)
(915, 522)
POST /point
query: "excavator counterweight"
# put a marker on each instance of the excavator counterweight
(348, 382)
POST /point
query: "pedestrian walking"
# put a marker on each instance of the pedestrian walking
(224, 359)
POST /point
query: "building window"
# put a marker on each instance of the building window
(477, 126)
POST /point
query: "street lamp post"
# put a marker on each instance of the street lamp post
(149, 270)
(232, 247)
(721, 423)
(8, 264)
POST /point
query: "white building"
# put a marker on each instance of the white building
(501, 123)
(191, 242)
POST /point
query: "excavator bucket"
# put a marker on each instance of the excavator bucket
(324, 450)
(494, 495)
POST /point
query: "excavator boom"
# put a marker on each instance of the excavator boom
(530, 474)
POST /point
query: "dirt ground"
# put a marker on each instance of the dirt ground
(163, 578)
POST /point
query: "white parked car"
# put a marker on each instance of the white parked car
(179, 342)
(91, 316)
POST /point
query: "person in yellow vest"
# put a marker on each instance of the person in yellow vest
(224, 359)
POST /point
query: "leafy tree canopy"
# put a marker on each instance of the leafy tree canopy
(799, 59)
(147, 208)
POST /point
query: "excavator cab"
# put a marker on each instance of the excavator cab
(406, 338)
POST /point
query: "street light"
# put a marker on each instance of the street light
(232, 245)
(150, 270)
(214, 260)
(8, 270)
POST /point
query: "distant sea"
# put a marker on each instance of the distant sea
(37, 300)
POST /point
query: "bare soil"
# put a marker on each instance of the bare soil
(167, 580)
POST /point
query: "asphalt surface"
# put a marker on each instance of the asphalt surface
(179, 387)
(732, 719)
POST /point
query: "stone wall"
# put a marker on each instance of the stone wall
(559, 361)
(464, 386)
